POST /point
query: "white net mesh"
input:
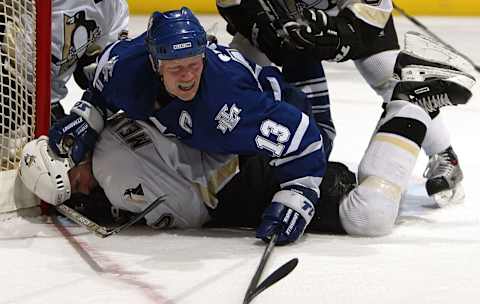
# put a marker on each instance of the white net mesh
(17, 78)
(17, 99)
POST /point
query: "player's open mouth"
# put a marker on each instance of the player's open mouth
(186, 86)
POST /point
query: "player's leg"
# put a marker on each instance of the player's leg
(421, 59)
(307, 75)
(377, 64)
(372, 207)
(424, 57)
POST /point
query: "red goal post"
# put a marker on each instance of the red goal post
(43, 45)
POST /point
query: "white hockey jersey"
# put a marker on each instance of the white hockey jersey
(82, 27)
(135, 164)
(373, 12)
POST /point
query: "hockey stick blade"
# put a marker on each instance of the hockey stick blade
(138, 217)
(273, 278)
(102, 231)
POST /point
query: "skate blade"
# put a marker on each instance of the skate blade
(430, 49)
(422, 73)
(449, 197)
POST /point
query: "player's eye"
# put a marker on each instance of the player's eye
(195, 66)
(174, 69)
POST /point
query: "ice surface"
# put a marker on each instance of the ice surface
(433, 256)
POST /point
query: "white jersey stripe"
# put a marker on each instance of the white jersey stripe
(312, 148)
(309, 81)
(305, 182)
(297, 137)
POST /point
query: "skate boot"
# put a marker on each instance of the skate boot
(432, 94)
(431, 75)
(444, 177)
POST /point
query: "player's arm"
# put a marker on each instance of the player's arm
(75, 135)
(262, 122)
(295, 146)
(345, 36)
(116, 20)
(249, 19)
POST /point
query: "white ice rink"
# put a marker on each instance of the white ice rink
(433, 256)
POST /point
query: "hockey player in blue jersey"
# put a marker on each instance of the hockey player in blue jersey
(212, 99)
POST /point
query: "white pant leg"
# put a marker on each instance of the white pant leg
(372, 207)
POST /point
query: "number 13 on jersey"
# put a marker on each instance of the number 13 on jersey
(270, 128)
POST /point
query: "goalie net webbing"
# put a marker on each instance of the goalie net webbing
(25, 39)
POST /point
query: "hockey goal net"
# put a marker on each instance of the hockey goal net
(25, 37)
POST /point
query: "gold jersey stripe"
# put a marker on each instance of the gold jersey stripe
(400, 142)
(216, 181)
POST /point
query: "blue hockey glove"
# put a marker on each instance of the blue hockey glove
(75, 135)
(288, 215)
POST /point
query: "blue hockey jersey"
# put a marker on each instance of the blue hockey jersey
(238, 109)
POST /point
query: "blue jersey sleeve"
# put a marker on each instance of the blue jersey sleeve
(124, 79)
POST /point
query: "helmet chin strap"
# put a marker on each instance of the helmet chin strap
(155, 64)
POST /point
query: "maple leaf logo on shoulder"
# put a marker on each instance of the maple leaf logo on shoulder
(106, 72)
(29, 160)
(107, 69)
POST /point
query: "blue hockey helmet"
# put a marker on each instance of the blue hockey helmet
(174, 35)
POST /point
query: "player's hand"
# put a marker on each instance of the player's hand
(289, 214)
(317, 30)
(75, 135)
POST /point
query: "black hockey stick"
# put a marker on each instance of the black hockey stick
(254, 289)
(102, 231)
(274, 277)
(433, 35)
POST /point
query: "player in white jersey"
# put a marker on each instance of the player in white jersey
(80, 31)
(135, 164)
(341, 30)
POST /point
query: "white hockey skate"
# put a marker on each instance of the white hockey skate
(434, 53)
(444, 177)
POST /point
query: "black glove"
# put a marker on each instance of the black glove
(329, 38)
(268, 39)
(85, 70)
